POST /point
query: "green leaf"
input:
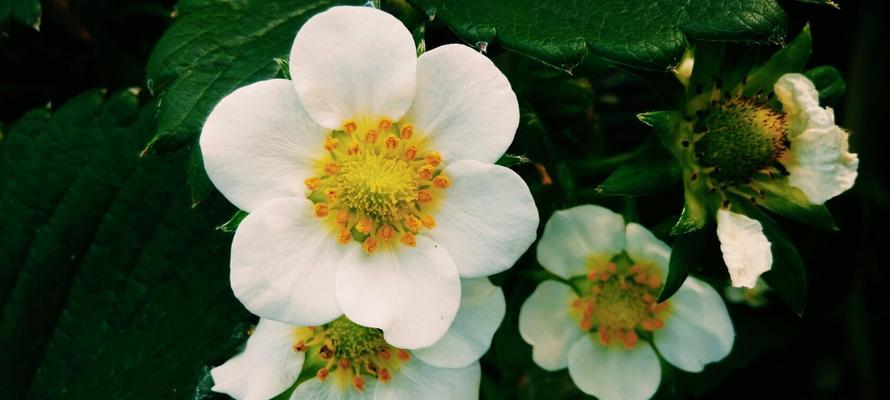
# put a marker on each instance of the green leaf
(645, 34)
(790, 202)
(210, 51)
(791, 58)
(510, 160)
(111, 286)
(684, 256)
(24, 11)
(829, 82)
(232, 224)
(650, 174)
(199, 183)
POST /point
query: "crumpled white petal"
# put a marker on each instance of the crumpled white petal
(481, 311)
(545, 323)
(746, 251)
(643, 246)
(258, 142)
(353, 62)
(266, 367)
(572, 236)
(464, 103)
(614, 373)
(821, 165)
(698, 331)
(284, 264)
(800, 102)
(417, 380)
(317, 390)
(486, 220)
(412, 294)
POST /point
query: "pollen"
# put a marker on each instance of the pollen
(378, 185)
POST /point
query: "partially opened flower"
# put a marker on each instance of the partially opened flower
(369, 179)
(343, 360)
(606, 325)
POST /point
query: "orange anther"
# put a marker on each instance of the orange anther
(411, 153)
(605, 337)
(654, 282)
(641, 278)
(424, 196)
(312, 183)
(320, 210)
(403, 355)
(596, 289)
(426, 171)
(407, 132)
(330, 144)
(384, 354)
(370, 245)
(391, 142)
(591, 276)
(428, 221)
(434, 158)
(442, 182)
(412, 223)
(371, 136)
(384, 124)
(358, 382)
(343, 363)
(604, 276)
(408, 239)
(636, 269)
(345, 236)
(332, 169)
(630, 339)
(354, 148)
(648, 298)
(350, 126)
(343, 217)
(365, 225)
(611, 267)
(386, 232)
(577, 303)
(322, 374)
(384, 375)
(300, 347)
(586, 324)
(331, 194)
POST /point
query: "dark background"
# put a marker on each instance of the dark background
(834, 351)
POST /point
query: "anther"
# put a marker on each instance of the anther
(412, 224)
(345, 236)
(408, 239)
(384, 375)
(391, 142)
(343, 363)
(384, 124)
(604, 335)
(410, 153)
(403, 355)
(370, 245)
(426, 172)
(630, 339)
(365, 225)
(428, 221)
(386, 232)
(350, 127)
(353, 149)
(320, 210)
(322, 374)
(330, 144)
(300, 347)
(331, 194)
(312, 183)
(384, 354)
(343, 217)
(358, 382)
(434, 159)
(407, 132)
(424, 196)
(442, 182)
(371, 136)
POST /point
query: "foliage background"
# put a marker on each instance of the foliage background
(112, 286)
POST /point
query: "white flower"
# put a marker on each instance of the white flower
(369, 179)
(354, 362)
(602, 331)
(817, 161)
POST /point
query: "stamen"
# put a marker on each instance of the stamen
(407, 131)
(384, 124)
(424, 196)
(434, 158)
(442, 182)
(350, 126)
(391, 142)
(330, 144)
(371, 136)
(408, 239)
(312, 183)
(370, 245)
(320, 210)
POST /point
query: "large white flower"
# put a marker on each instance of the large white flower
(369, 179)
(355, 362)
(602, 328)
(814, 153)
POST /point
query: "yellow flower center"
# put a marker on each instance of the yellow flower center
(619, 301)
(377, 184)
(349, 353)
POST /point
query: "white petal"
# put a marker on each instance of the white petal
(258, 144)
(412, 294)
(800, 101)
(417, 380)
(486, 220)
(267, 366)
(643, 246)
(572, 236)
(464, 103)
(698, 330)
(284, 264)
(351, 62)
(544, 323)
(317, 390)
(746, 251)
(481, 311)
(821, 165)
(613, 372)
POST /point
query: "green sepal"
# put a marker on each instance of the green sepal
(829, 83)
(654, 172)
(791, 58)
(685, 255)
(510, 160)
(790, 202)
(232, 224)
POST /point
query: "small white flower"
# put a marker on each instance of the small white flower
(355, 362)
(602, 332)
(369, 179)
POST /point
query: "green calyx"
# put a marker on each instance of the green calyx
(352, 340)
(739, 136)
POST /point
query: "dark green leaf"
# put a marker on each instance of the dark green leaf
(111, 286)
(684, 256)
(196, 177)
(648, 34)
(829, 82)
(791, 58)
(650, 174)
(23, 11)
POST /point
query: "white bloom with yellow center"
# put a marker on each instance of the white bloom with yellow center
(355, 362)
(601, 327)
(369, 179)
(814, 153)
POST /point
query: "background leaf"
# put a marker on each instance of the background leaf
(23, 11)
(646, 34)
(829, 82)
(112, 287)
(650, 173)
